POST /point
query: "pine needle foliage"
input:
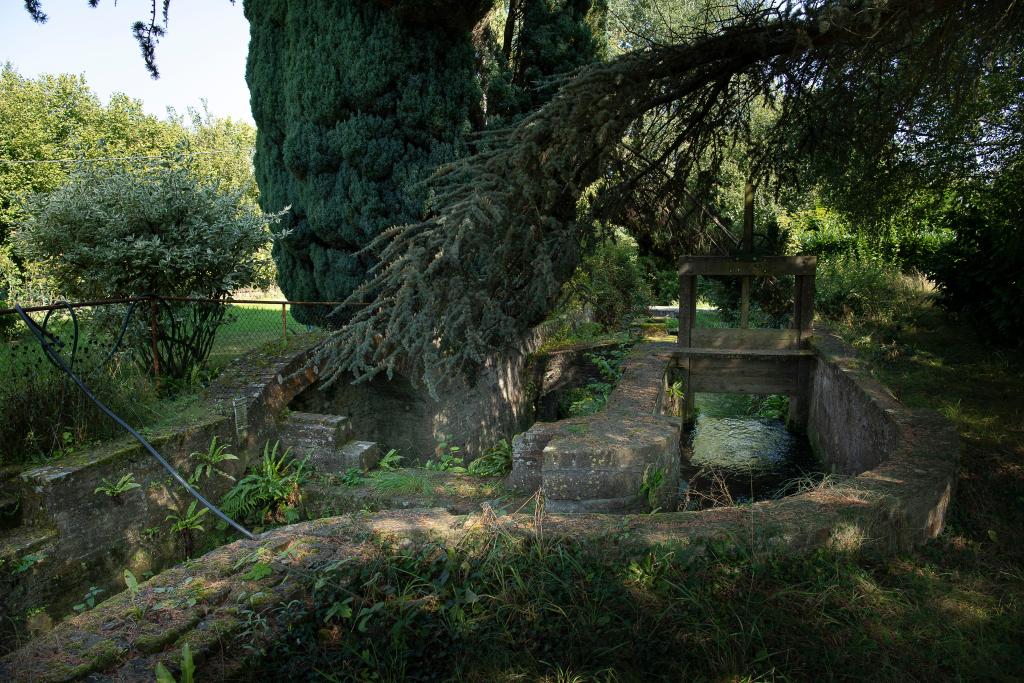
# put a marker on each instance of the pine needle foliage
(490, 260)
(355, 105)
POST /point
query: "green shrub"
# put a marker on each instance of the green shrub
(849, 285)
(909, 241)
(114, 233)
(610, 283)
(979, 273)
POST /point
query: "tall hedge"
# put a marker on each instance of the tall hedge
(358, 101)
(355, 104)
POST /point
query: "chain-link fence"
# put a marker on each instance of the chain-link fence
(143, 357)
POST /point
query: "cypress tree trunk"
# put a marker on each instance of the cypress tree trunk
(358, 101)
(355, 104)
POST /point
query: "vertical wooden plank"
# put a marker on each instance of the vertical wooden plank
(687, 319)
(748, 249)
(687, 308)
(803, 321)
(745, 303)
(804, 305)
(799, 403)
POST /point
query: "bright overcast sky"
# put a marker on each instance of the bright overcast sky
(202, 55)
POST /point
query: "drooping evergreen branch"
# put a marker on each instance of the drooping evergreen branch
(491, 259)
(146, 33)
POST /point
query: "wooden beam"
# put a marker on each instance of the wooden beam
(760, 266)
(710, 384)
(752, 354)
(745, 375)
(687, 318)
(732, 338)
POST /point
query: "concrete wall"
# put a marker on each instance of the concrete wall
(851, 418)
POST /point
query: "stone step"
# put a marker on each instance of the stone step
(306, 433)
(10, 510)
(363, 455)
(23, 547)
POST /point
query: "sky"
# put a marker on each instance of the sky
(202, 55)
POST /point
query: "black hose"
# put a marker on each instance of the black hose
(55, 358)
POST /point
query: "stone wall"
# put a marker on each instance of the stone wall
(900, 502)
(851, 420)
(397, 413)
(72, 539)
(599, 462)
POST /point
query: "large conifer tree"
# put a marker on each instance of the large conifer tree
(358, 101)
(355, 104)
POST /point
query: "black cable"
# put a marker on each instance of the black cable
(40, 336)
(120, 336)
(74, 329)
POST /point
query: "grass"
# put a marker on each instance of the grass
(501, 609)
(248, 327)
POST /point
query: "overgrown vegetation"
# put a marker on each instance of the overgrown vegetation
(496, 461)
(271, 492)
(592, 397)
(42, 413)
(495, 608)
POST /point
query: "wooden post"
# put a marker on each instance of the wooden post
(687, 319)
(804, 304)
(154, 332)
(748, 250)
(803, 322)
(284, 324)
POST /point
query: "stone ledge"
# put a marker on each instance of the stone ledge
(204, 602)
(598, 462)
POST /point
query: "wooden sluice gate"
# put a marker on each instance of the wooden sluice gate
(744, 360)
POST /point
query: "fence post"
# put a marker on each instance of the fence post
(284, 324)
(154, 331)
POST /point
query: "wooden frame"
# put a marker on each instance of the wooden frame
(743, 360)
(754, 266)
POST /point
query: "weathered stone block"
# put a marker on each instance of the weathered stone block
(598, 463)
(363, 455)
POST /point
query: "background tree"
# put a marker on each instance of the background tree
(53, 124)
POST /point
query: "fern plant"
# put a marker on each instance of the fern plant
(391, 461)
(208, 463)
(275, 484)
(114, 489)
(496, 461)
(186, 523)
